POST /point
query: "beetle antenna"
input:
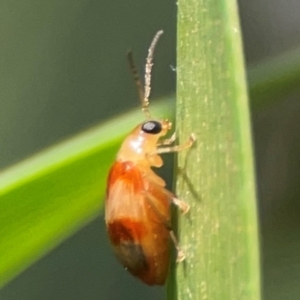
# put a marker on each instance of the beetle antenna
(136, 76)
(144, 93)
(148, 68)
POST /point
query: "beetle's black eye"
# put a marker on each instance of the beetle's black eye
(152, 127)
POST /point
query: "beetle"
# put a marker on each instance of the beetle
(137, 208)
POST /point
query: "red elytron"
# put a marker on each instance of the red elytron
(137, 211)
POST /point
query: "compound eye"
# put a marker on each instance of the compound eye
(152, 127)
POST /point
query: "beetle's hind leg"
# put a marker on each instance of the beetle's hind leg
(180, 252)
(184, 208)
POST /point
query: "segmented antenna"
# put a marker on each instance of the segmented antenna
(136, 76)
(144, 93)
(148, 68)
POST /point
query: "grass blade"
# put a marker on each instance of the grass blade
(220, 234)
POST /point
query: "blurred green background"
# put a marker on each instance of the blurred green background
(63, 69)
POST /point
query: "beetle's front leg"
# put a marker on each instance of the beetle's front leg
(168, 141)
(177, 148)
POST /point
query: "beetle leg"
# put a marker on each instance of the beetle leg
(180, 252)
(183, 206)
(168, 141)
(177, 148)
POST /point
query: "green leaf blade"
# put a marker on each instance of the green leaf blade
(220, 235)
(46, 198)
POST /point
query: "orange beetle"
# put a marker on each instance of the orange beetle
(137, 210)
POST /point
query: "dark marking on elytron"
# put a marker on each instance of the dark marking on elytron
(132, 257)
(126, 235)
(125, 230)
